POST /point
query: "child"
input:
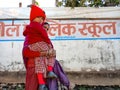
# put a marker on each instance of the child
(38, 40)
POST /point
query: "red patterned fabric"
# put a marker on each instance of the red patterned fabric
(28, 56)
(41, 63)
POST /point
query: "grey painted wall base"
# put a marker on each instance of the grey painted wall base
(102, 78)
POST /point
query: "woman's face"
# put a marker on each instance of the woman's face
(46, 27)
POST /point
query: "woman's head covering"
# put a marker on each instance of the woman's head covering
(36, 12)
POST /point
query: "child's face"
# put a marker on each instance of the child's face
(39, 20)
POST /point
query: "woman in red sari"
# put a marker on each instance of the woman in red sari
(35, 38)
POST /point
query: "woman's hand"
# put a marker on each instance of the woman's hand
(51, 53)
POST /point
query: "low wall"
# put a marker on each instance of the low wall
(103, 78)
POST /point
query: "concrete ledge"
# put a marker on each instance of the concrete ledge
(102, 78)
(81, 78)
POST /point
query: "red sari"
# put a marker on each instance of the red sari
(31, 77)
(33, 33)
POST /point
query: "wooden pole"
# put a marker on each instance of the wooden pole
(33, 1)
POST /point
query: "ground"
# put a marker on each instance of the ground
(101, 78)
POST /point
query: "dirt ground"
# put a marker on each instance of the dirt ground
(80, 78)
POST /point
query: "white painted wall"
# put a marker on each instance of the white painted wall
(11, 56)
(89, 55)
(76, 52)
(91, 49)
(74, 55)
